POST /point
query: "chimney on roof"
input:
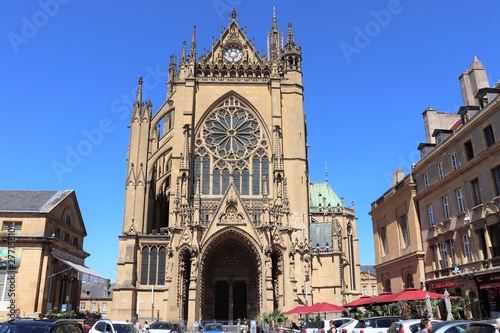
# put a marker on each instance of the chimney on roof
(397, 176)
(472, 80)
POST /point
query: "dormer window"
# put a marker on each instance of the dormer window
(466, 112)
(485, 96)
(425, 148)
(441, 135)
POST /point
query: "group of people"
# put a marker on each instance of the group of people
(144, 328)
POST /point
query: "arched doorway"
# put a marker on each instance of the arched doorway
(230, 288)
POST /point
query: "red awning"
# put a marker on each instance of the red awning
(489, 285)
(365, 300)
(325, 307)
(410, 294)
(360, 301)
(298, 309)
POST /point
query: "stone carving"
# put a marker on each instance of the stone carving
(231, 215)
(489, 208)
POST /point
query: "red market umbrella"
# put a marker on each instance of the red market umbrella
(365, 300)
(298, 309)
(410, 294)
(326, 307)
(360, 301)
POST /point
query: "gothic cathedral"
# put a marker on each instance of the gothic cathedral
(218, 220)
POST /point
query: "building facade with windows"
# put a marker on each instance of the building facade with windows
(455, 197)
(96, 298)
(399, 251)
(458, 194)
(217, 221)
(368, 280)
(42, 266)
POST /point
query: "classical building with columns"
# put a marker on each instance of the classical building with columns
(217, 220)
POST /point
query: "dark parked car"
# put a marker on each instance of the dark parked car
(454, 326)
(484, 326)
(42, 326)
(165, 327)
(408, 326)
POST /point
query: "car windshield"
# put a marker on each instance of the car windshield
(481, 329)
(345, 324)
(24, 328)
(453, 328)
(160, 326)
(213, 327)
(125, 328)
(315, 324)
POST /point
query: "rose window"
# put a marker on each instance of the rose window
(232, 133)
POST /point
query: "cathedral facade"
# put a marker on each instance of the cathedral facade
(217, 206)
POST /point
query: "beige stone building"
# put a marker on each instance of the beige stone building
(217, 218)
(96, 298)
(453, 194)
(42, 265)
(368, 280)
(398, 244)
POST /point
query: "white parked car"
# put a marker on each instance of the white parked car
(113, 326)
(375, 324)
(322, 326)
(347, 327)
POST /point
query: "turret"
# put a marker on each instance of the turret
(292, 54)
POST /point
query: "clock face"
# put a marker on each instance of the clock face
(233, 54)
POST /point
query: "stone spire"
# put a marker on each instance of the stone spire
(192, 52)
(233, 17)
(138, 96)
(183, 54)
(172, 71)
(290, 39)
(137, 108)
(274, 40)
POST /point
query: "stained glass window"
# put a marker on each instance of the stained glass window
(232, 142)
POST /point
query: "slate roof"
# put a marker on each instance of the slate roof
(31, 201)
(96, 290)
(367, 268)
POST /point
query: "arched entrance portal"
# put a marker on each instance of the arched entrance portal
(230, 280)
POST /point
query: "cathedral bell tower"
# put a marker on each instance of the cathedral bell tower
(216, 207)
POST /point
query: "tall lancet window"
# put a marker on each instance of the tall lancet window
(231, 144)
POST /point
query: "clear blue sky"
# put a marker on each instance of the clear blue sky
(69, 70)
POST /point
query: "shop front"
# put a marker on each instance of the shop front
(488, 286)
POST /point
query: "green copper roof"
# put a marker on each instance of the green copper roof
(321, 194)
